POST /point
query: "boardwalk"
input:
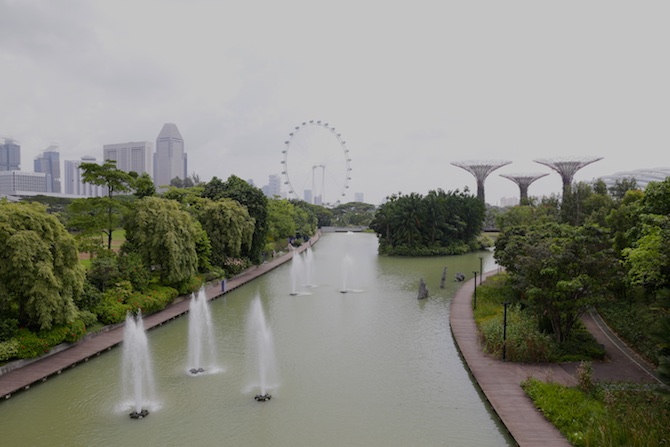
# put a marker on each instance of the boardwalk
(500, 381)
(27, 375)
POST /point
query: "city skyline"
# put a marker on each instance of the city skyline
(434, 83)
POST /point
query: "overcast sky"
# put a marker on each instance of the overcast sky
(411, 86)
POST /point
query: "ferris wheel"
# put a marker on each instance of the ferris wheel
(316, 164)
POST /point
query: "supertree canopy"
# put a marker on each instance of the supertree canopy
(567, 167)
(524, 181)
(481, 169)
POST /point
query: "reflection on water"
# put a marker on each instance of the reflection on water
(372, 368)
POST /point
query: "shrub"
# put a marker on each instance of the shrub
(110, 310)
(132, 268)
(570, 410)
(9, 349)
(87, 317)
(8, 327)
(104, 270)
(152, 300)
(30, 344)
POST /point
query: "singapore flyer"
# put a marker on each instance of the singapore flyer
(316, 164)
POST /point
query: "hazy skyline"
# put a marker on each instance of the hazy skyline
(412, 87)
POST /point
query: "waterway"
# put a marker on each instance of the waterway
(371, 367)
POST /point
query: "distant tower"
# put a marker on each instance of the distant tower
(481, 169)
(170, 158)
(567, 167)
(48, 162)
(10, 155)
(131, 157)
(524, 181)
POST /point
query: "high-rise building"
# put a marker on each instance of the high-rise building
(17, 183)
(10, 155)
(48, 162)
(273, 188)
(134, 156)
(73, 183)
(170, 160)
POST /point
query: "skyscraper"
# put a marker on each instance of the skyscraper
(134, 156)
(48, 162)
(73, 183)
(170, 160)
(273, 188)
(10, 155)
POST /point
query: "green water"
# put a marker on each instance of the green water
(372, 367)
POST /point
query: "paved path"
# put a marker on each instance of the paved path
(27, 374)
(500, 381)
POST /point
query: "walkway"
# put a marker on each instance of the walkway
(500, 381)
(30, 373)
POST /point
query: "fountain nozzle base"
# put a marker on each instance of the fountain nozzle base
(262, 397)
(139, 414)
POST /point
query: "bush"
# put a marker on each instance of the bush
(152, 300)
(9, 350)
(8, 327)
(87, 317)
(110, 310)
(104, 270)
(132, 268)
(619, 414)
(30, 344)
(89, 298)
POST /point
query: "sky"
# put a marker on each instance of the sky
(410, 86)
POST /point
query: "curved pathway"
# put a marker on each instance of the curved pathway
(21, 375)
(500, 381)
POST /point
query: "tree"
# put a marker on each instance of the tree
(144, 186)
(228, 226)
(114, 181)
(560, 269)
(40, 273)
(281, 224)
(166, 237)
(253, 199)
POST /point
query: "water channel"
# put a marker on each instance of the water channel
(370, 367)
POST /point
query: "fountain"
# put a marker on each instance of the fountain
(261, 361)
(297, 271)
(309, 267)
(137, 375)
(201, 349)
(347, 265)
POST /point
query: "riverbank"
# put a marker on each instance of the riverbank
(500, 381)
(22, 375)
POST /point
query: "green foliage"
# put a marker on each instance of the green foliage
(526, 342)
(9, 349)
(570, 410)
(628, 415)
(152, 300)
(165, 237)
(40, 272)
(8, 326)
(104, 270)
(353, 214)
(228, 225)
(256, 203)
(144, 186)
(633, 322)
(97, 214)
(561, 269)
(31, 344)
(132, 268)
(438, 223)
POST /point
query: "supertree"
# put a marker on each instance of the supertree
(524, 181)
(481, 169)
(567, 167)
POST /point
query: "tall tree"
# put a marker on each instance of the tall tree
(561, 269)
(228, 226)
(166, 237)
(40, 273)
(253, 199)
(114, 181)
